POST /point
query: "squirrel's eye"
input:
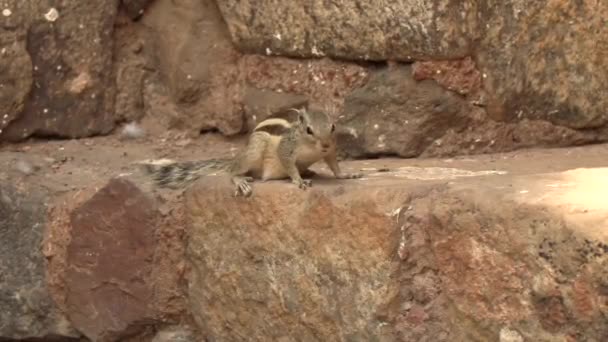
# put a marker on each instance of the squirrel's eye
(309, 130)
(333, 128)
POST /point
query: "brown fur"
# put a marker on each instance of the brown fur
(267, 156)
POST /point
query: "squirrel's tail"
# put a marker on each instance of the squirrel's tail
(175, 175)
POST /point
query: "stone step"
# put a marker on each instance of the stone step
(508, 247)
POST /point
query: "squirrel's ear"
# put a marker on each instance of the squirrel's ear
(300, 113)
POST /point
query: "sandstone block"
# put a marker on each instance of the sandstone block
(413, 254)
(352, 29)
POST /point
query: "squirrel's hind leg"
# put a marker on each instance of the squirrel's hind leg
(249, 159)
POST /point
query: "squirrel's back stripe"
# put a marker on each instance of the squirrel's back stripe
(273, 126)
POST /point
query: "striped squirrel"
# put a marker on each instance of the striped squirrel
(277, 149)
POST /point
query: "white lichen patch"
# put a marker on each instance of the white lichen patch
(51, 15)
(435, 173)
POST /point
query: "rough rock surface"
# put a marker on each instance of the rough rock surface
(289, 264)
(132, 65)
(16, 76)
(175, 334)
(352, 29)
(110, 258)
(70, 94)
(135, 8)
(460, 76)
(545, 60)
(116, 264)
(323, 82)
(403, 256)
(395, 115)
(260, 104)
(506, 247)
(198, 65)
(27, 310)
(540, 61)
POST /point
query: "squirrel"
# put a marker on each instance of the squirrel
(277, 149)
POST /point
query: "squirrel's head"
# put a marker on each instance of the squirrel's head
(318, 129)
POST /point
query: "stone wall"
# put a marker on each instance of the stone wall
(442, 253)
(89, 251)
(511, 74)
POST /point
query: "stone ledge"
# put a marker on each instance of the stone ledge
(461, 256)
(481, 248)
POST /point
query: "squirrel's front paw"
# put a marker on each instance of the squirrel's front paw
(243, 188)
(303, 183)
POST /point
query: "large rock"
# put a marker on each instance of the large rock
(27, 309)
(114, 250)
(513, 258)
(117, 261)
(415, 254)
(70, 91)
(545, 60)
(352, 29)
(395, 115)
(289, 264)
(198, 65)
(109, 279)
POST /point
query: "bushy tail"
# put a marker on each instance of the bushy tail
(175, 175)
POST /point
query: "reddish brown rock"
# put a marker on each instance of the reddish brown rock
(109, 280)
(460, 76)
(583, 300)
(552, 313)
